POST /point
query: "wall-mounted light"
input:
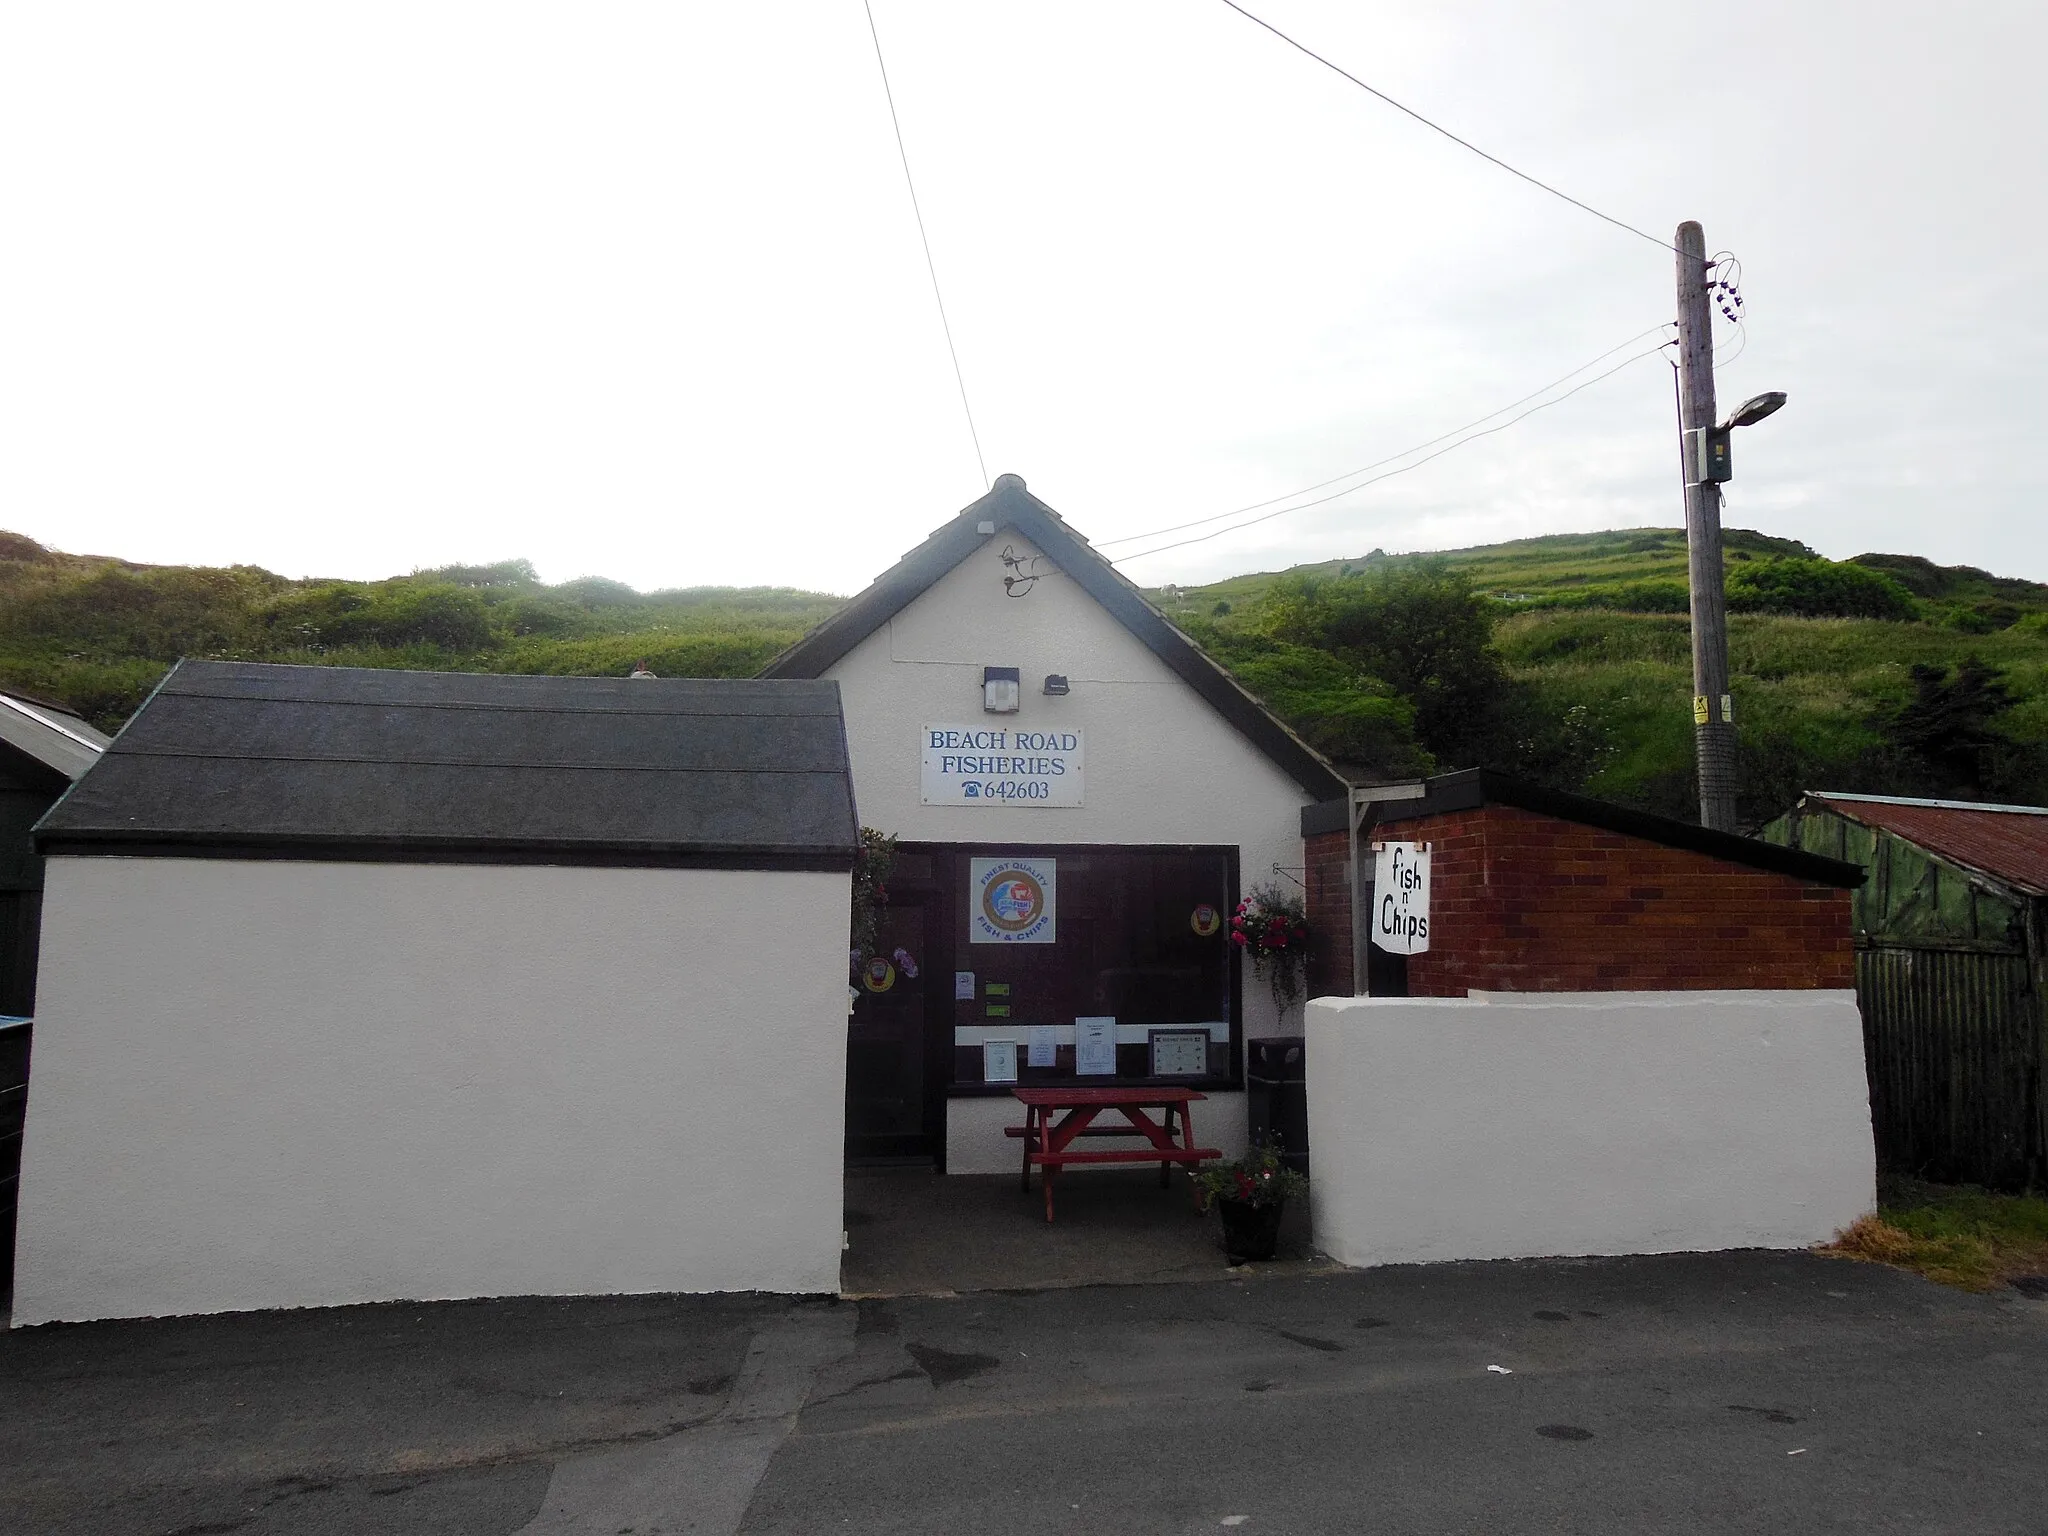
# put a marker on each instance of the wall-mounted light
(1056, 685)
(1002, 691)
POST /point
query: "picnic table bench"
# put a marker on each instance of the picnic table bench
(1050, 1144)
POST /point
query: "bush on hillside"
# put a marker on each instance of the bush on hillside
(544, 616)
(1423, 631)
(1817, 589)
(518, 575)
(1642, 597)
(1986, 616)
(1950, 734)
(1917, 574)
(19, 546)
(391, 613)
(160, 613)
(1354, 720)
(597, 592)
(1749, 541)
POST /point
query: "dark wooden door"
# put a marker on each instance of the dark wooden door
(888, 1103)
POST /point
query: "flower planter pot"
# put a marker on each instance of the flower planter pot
(1250, 1231)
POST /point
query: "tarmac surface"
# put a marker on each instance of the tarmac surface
(915, 1232)
(1724, 1392)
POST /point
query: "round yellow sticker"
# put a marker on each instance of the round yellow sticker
(1205, 920)
(880, 975)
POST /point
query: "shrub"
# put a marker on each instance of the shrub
(161, 613)
(1420, 629)
(518, 575)
(392, 613)
(1354, 720)
(1818, 589)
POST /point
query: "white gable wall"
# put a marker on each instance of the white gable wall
(1162, 765)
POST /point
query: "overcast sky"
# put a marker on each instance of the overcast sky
(635, 290)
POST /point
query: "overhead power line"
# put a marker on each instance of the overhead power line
(930, 265)
(1252, 522)
(1439, 128)
(1272, 501)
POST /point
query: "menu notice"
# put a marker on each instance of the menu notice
(1095, 1047)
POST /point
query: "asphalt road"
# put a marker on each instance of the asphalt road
(1732, 1392)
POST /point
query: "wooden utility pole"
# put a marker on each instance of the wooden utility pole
(1713, 729)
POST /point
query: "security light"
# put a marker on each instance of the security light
(1755, 409)
(1001, 690)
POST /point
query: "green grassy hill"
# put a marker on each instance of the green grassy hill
(1564, 657)
(1592, 630)
(98, 633)
(1634, 568)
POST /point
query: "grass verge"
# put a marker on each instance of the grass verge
(1956, 1234)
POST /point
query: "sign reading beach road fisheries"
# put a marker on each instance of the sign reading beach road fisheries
(1000, 765)
(1012, 901)
(1400, 898)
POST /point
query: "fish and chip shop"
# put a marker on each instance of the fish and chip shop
(1080, 797)
(363, 986)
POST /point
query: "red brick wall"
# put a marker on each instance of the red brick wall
(1329, 915)
(1521, 902)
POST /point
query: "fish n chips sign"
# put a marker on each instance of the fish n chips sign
(1400, 897)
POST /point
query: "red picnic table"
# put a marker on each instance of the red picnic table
(1049, 1144)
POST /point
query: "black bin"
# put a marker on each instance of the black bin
(1276, 1096)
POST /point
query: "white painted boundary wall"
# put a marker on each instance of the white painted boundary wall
(275, 1084)
(1522, 1125)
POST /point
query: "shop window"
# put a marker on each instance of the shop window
(1133, 968)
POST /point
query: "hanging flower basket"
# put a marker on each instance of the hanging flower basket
(1271, 927)
(870, 894)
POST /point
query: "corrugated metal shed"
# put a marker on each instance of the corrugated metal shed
(1951, 929)
(249, 760)
(2008, 842)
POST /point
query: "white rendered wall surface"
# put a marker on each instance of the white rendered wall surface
(1519, 1126)
(975, 1142)
(275, 1084)
(1162, 765)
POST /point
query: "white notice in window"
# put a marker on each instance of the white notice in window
(999, 1061)
(1095, 1047)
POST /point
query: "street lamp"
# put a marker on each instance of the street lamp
(1707, 454)
(1755, 409)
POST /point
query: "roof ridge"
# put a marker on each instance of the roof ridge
(534, 764)
(1933, 805)
(508, 709)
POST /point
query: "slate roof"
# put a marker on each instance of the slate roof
(2007, 842)
(1474, 787)
(237, 759)
(53, 737)
(1009, 506)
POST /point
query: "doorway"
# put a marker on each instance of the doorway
(889, 1103)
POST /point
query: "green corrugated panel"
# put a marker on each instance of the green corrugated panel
(1953, 1048)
